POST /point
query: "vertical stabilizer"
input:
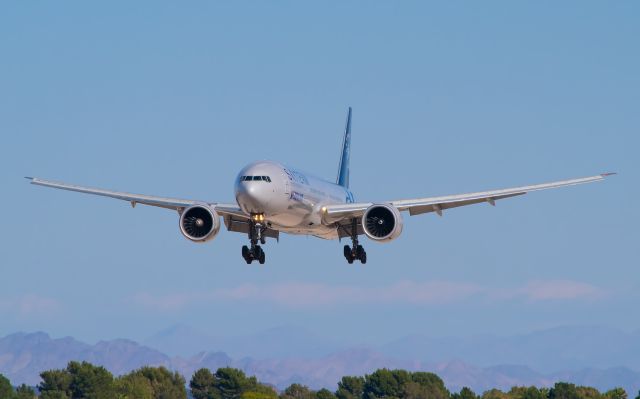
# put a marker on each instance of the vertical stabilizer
(343, 170)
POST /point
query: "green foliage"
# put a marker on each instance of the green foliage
(228, 383)
(78, 380)
(24, 392)
(589, 393)
(616, 393)
(133, 386)
(385, 383)
(428, 386)
(203, 385)
(495, 394)
(465, 393)
(563, 390)
(350, 388)
(90, 382)
(263, 392)
(6, 389)
(527, 393)
(86, 381)
(232, 383)
(55, 384)
(325, 394)
(297, 391)
(54, 395)
(401, 384)
(164, 384)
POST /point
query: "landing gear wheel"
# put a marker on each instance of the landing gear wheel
(256, 237)
(355, 251)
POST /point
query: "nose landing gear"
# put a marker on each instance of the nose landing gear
(356, 251)
(254, 253)
(256, 230)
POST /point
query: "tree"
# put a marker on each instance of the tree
(133, 386)
(563, 390)
(55, 384)
(298, 391)
(54, 395)
(385, 383)
(350, 388)
(467, 393)
(6, 389)
(638, 397)
(232, 383)
(164, 384)
(495, 394)
(324, 393)
(413, 390)
(588, 393)
(25, 392)
(430, 386)
(90, 382)
(527, 393)
(203, 385)
(616, 393)
(261, 392)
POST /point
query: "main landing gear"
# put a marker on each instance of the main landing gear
(356, 251)
(256, 230)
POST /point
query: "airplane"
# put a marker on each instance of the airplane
(272, 198)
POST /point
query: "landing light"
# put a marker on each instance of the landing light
(258, 217)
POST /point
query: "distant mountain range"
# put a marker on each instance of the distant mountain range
(551, 350)
(598, 357)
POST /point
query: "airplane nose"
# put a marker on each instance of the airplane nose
(250, 197)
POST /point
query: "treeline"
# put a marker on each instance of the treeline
(86, 381)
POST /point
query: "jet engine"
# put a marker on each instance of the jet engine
(382, 223)
(199, 223)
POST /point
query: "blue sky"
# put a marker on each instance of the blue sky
(173, 99)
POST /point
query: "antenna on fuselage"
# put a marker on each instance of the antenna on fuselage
(343, 169)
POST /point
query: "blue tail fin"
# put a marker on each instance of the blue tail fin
(343, 171)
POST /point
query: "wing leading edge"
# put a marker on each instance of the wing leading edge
(162, 202)
(335, 213)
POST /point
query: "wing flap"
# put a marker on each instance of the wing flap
(438, 208)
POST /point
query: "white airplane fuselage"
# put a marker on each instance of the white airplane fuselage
(291, 201)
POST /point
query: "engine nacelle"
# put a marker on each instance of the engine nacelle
(199, 223)
(382, 222)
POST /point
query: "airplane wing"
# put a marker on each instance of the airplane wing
(226, 210)
(417, 206)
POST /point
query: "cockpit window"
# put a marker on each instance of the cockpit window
(256, 178)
